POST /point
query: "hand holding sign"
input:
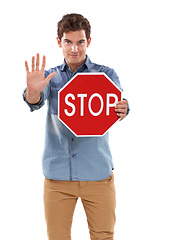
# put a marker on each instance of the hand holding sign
(121, 109)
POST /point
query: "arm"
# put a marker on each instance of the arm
(122, 107)
(36, 82)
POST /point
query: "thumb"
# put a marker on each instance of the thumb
(49, 77)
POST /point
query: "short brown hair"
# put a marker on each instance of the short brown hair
(73, 22)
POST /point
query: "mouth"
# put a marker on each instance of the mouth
(74, 55)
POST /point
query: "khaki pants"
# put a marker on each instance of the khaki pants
(99, 202)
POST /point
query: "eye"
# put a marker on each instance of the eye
(67, 42)
(81, 42)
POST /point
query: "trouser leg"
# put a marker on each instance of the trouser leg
(59, 206)
(99, 201)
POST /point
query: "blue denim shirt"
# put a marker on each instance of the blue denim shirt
(67, 157)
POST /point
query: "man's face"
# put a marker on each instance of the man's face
(74, 45)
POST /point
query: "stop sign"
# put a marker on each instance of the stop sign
(86, 104)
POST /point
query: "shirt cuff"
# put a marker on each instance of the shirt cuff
(128, 109)
(35, 106)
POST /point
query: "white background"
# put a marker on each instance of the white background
(140, 40)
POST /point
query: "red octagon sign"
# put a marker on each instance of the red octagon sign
(86, 104)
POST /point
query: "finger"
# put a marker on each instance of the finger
(123, 102)
(33, 63)
(121, 116)
(121, 108)
(43, 63)
(118, 107)
(26, 66)
(121, 111)
(37, 61)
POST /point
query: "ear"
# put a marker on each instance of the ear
(59, 42)
(88, 42)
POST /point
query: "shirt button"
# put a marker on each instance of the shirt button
(73, 155)
(72, 139)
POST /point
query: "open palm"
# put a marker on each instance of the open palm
(36, 82)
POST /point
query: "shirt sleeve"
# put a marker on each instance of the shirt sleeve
(43, 96)
(114, 77)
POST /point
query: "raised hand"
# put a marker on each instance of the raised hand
(36, 82)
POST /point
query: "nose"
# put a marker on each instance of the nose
(74, 48)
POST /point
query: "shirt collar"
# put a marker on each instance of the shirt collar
(87, 62)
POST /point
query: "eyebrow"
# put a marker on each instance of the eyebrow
(66, 39)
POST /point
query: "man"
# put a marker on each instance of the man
(73, 167)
